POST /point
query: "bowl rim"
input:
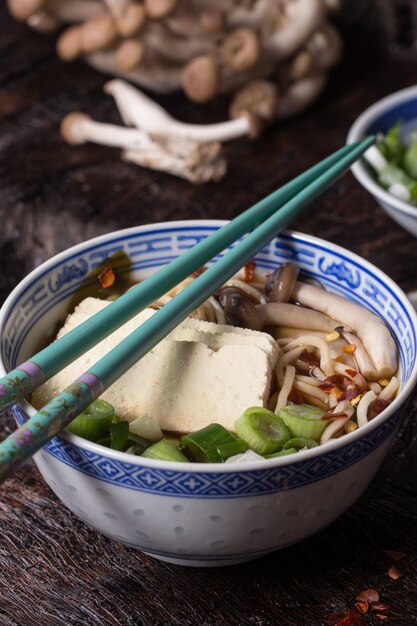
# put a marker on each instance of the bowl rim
(358, 130)
(175, 466)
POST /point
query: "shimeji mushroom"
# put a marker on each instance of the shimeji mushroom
(21, 10)
(302, 18)
(255, 106)
(130, 19)
(205, 46)
(129, 54)
(158, 9)
(196, 162)
(273, 56)
(61, 10)
(161, 40)
(153, 73)
(370, 329)
(138, 110)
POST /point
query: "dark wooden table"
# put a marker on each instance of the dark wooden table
(54, 570)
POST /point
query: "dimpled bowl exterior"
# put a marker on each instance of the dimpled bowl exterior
(379, 118)
(207, 515)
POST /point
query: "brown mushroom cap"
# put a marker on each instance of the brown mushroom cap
(129, 54)
(131, 19)
(98, 33)
(43, 22)
(69, 44)
(240, 49)
(69, 127)
(157, 9)
(300, 65)
(212, 20)
(258, 101)
(200, 78)
(280, 283)
(240, 311)
(21, 10)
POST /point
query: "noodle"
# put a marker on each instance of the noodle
(390, 389)
(286, 388)
(310, 340)
(363, 406)
(285, 360)
(311, 390)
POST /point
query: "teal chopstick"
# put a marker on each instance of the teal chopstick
(24, 379)
(31, 436)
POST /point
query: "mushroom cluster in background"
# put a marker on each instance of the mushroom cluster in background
(271, 56)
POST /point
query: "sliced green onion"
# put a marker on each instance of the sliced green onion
(146, 426)
(391, 145)
(281, 453)
(226, 450)
(119, 436)
(164, 450)
(263, 431)
(410, 159)
(139, 443)
(94, 422)
(299, 443)
(393, 174)
(203, 445)
(304, 420)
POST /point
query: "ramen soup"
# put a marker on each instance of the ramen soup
(269, 366)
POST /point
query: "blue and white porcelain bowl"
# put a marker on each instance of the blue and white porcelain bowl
(207, 515)
(379, 118)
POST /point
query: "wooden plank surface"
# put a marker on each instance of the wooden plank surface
(54, 570)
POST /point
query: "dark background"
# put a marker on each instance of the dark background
(54, 570)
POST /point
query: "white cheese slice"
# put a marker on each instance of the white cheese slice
(201, 373)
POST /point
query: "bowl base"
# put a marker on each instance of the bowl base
(197, 563)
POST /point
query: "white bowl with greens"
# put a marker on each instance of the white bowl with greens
(389, 171)
(210, 513)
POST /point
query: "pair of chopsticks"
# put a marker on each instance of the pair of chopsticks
(265, 219)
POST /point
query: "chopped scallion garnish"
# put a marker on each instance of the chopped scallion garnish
(281, 453)
(94, 422)
(263, 431)
(299, 443)
(146, 426)
(119, 436)
(304, 420)
(203, 446)
(164, 450)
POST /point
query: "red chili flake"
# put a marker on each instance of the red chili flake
(198, 272)
(326, 388)
(336, 380)
(352, 373)
(393, 554)
(249, 271)
(380, 606)
(295, 397)
(107, 277)
(307, 357)
(362, 606)
(368, 595)
(394, 572)
(331, 416)
(347, 618)
(377, 407)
